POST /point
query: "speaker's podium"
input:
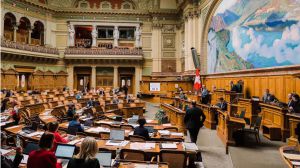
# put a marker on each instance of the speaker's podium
(228, 96)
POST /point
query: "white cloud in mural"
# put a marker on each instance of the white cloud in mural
(285, 49)
(224, 6)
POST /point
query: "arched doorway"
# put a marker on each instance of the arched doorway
(23, 30)
(37, 35)
(9, 23)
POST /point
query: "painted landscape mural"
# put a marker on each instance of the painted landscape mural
(247, 34)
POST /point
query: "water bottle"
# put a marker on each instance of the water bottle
(18, 143)
(118, 151)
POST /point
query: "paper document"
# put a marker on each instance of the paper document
(292, 156)
(98, 129)
(176, 133)
(145, 166)
(116, 143)
(168, 146)
(25, 159)
(190, 146)
(167, 125)
(4, 151)
(142, 146)
(295, 163)
(34, 134)
(75, 141)
(164, 132)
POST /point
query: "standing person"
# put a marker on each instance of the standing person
(233, 87)
(193, 122)
(204, 95)
(43, 157)
(125, 88)
(295, 108)
(290, 100)
(86, 156)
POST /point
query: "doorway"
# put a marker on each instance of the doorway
(83, 81)
(24, 81)
(126, 79)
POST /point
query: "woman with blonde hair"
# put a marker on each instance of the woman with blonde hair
(86, 156)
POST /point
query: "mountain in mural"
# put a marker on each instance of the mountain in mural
(247, 34)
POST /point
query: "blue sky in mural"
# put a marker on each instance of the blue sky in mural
(247, 34)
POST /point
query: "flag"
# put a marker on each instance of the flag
(197, 83)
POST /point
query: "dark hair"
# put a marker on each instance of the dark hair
(46, 140)
(221, 98)
(296, 96)
(194, 103)
(141, 121)
(53, 126)
(76, 117)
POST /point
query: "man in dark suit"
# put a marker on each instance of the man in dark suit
(141, 130)
(290, 100)
(295, 107)
(239, 86)
(232, 86)
(222, 104)
(194, 119)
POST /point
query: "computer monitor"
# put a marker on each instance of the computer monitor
(119, 118)
(135, 117)
(104, 158)
(31, 146)
(64, 151)
(150, 129)
(116, 134)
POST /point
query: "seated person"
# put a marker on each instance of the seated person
(222, 104)
(7, 162)
(182, 96)
(53, 127)
(115, 100)
(268, 97)
(75, 123)
(290, 100)
(44, 156)
(15, 113)
(141, 130)
(86, 156)
(295, 107)
(4, 104)
(90, 103)
(78, 96)
(71, 111)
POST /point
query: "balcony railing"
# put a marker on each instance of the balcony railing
(101, 51)
(27, 47)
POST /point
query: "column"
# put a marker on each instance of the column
(137, 79)
(116, 36)
(71, 40)
(94, 36)
(15, 32)
(156, 48)
(116, 76)
(93, 77)
(186, 46)
(137, 37)
(70, 79)
(29, 35)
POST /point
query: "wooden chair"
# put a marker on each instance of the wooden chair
(130, 154)
(171, 129)
(255, 129)
(104, 135)
(104, 125)
(175, 159)
(127, 127)
(137, 138)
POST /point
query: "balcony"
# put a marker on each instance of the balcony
(10, 47)
(103, 53)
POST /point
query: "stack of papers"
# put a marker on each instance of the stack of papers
(46, 117)
(167, 125)
(4, 151)
(134, 125)
(25, 159)
(292, 156)
(176, 133)
(98, 129)
(190, 146)
(168, 146)
(85, 119)
(37, 133)
(164, 132)
(149, 121)
(115, 143)
(142, 146)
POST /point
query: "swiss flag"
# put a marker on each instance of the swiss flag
(197, 83)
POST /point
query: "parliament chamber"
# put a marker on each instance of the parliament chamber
(150, 83)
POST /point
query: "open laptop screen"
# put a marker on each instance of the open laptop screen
(104, 158)
(31, 146)
(117, 134)
(64, 151)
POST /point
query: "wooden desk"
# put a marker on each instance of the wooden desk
(170, 100)
(227, 95)
(15, 130)
(286, 160)
(36, 109)
(210, 113)
(227, 126)
(130, 111)
(251, 108)
(175, 115)
(274, 122)
(132, 164)
(294, 119)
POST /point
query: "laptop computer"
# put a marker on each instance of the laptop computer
(64, 152)
(150, 129)
(132, 121)
(31, 146)
(116, 135)
(104, 158)
(135, 117)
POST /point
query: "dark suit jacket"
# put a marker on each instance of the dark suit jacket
(194, 118)
(222, 106)
(141, 131)
(79, 163)
(296, 107)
